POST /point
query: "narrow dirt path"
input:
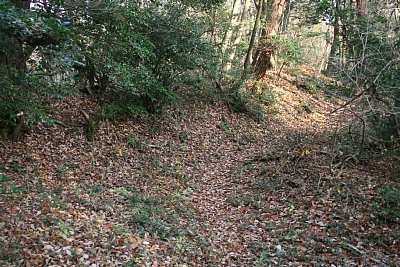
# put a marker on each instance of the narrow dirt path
(283, 208)
(200, 186)
(215, 203)
(231, 214)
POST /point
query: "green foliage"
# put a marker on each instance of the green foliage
(383, 126)
(22, 31)
(64, 230)
(143, 52)
(146, 215)
(339, 89)
(238, 102)
(310, 87)
(203, 4)
(31, 26)
(24, 92)
(133, 140)
(244, 103)
(267, 96)
(133, 55)
(391, 203)
(372, 45)
(10, 252)
(303, 107)
(115, 110)
(287, 50)
(271, 183)
(9, 189)
(315, 10)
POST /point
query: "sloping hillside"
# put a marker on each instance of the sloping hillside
(195, 186)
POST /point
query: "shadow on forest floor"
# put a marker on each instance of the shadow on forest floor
(199, 186)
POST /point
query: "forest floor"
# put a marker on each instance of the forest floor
(195, 186)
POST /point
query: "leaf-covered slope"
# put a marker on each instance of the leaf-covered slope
(197, 186)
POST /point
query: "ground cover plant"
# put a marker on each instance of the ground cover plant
(223, 194)
(199, 133)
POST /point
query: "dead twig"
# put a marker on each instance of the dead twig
(361, 146)
(6, 147)
(355, 249)
(347, 103)
(87, 117)
(66, 124)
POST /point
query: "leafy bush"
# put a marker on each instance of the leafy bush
(372, 56)
(238, 102)
(129, 55)
(287, 50)
(383, 127)
(139, 63)
(267, 96)
(24, 92)
(391, 203)
(22, 87)
(149, 216)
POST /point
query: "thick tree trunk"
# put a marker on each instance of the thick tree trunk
(264, 57)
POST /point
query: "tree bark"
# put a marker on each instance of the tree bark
(237, 34)
(228, 31)
(17, 55)
(360, 4)
(234, 24)
(335, 42)
(264, 57)
(253, 34)
(24, 4)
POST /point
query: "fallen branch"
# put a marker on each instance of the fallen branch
(6, 147)
(355, 249)
(87, 117)
(60, 123)
(262, 159)
(65, 124)
(360, 252)
(347, 103)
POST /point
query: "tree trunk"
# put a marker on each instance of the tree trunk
(286, 16)
(17, 55)
(237, 35)
(254, 34)
(335, 42)
(24, 4)
(234, 25)
(228, 31)
(264, 57)
(360, 4)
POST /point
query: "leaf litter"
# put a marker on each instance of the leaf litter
(195, 186)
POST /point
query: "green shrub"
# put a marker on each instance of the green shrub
(238, 102)
(149, 216)
(267, 96)
(129, 56)
(391, 203)
(287, 50)
(384, 127)
(23, 85)
(311, 87)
